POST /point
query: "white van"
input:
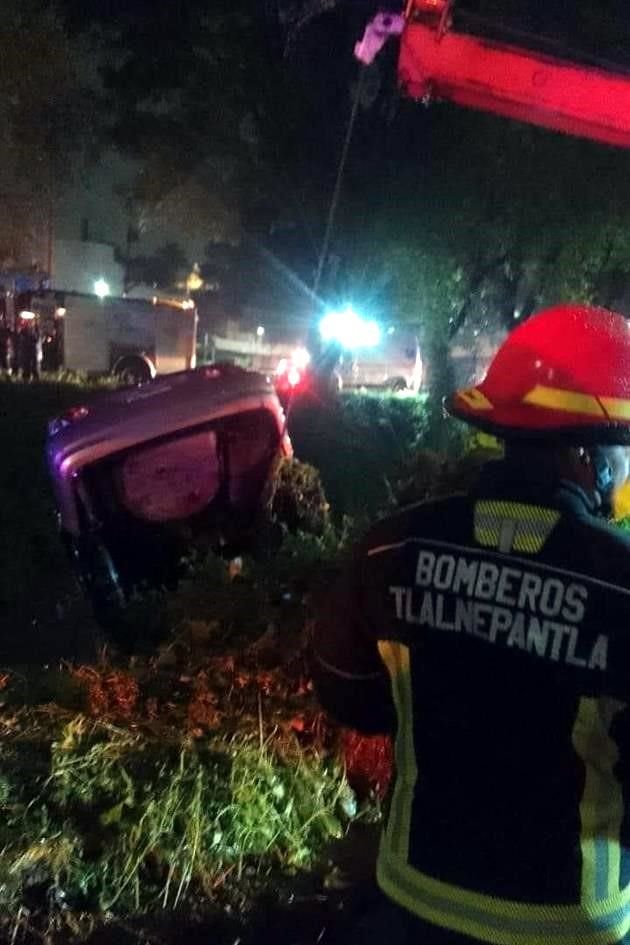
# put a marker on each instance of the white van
(395, 363)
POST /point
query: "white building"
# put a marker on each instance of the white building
(79, 265)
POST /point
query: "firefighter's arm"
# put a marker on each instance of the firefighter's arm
(349, 676)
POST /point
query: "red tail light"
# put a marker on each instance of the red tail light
(436, 7)
(67, 418)
(294, 377)
(75, 413)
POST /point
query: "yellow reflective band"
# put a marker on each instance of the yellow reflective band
(613, 408)
(570, 401)
(502, 921)
(616, 408)
(396, 659)
(602, 917)
(601, 807)
(513, 526)
(474, 399)
(621, 501)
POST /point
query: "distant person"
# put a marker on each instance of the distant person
(5, 347)
(28, 360)
(50, 348)
(12, 357)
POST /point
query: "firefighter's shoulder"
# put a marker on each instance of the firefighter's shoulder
(448, 517)
(604, 545)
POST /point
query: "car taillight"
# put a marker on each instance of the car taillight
(74, 414)
(66, 419)
(430, 6)
(293, 376)
(433, 13)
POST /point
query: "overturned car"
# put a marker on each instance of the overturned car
(143, 476)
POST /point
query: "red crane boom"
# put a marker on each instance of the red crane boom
(438, 60)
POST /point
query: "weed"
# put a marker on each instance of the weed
(124, 823)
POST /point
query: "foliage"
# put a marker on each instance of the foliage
(299, 501)
(359, 445)
(233, 138)
(34, 573)
(431, 475)
(193, 95)
(46, 117)
(122, 821)
(360, 448)
(204, 762)
(163, 269)
(516, 219)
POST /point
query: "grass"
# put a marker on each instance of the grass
(193, 773)
(200, 768)
(146, 798)
(33, 568)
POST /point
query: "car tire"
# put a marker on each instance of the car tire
(133, 371)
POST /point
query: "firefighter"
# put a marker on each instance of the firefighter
(5, 346)
(28, 351)
(490, 633)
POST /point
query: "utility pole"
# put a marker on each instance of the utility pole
(51, 217)
(323, 255)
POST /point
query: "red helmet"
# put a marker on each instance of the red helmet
(564, 374)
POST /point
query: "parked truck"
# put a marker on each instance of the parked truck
(135, 339)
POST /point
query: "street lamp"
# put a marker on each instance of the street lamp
(101, 288)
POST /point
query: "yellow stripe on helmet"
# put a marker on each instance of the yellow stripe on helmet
(571, 401)
(474, 399)
(616, 407)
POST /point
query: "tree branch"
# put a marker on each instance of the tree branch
(481, 273)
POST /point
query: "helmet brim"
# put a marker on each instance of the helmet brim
(604, 434)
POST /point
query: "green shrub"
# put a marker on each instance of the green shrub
(299, 501)
(430, 475)
(358, 443)
(34, 573)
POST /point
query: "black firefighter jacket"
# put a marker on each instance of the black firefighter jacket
(491, 633)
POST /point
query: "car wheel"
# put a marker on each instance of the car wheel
(133, 371)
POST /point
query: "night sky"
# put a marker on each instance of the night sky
(393, 137)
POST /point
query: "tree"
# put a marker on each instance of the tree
(458, 222)
(45, 119)
(497, 220)
(210, 105)
(184, 89)
(163, 270)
